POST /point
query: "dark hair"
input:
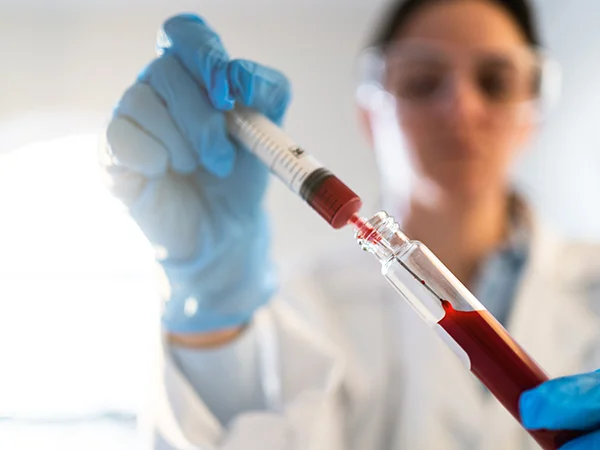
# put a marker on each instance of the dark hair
(400, 11)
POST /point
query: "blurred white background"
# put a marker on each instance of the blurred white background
(76, 294)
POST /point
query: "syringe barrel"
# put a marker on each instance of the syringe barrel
(474, 335)
(301, 172)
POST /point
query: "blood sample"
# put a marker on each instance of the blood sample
(303, 174)
(500, 364)
(458, 317)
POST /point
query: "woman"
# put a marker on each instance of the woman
(348, 366)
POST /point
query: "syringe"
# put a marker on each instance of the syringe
(440, 299)
(302, 173)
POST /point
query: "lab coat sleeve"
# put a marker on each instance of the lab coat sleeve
(287, 391)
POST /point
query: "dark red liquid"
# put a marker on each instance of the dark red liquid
(334, 201)
(500, 364)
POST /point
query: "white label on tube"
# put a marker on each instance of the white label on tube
(272, 146)
(457, 349)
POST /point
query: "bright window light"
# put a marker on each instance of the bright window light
(78, 303)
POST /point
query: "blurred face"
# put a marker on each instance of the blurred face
(464, 81)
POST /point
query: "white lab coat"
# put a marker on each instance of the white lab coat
(347, 364)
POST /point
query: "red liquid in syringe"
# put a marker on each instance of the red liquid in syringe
(500, 364)
(331, 198)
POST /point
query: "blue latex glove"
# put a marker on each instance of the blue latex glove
(195, 194)
(569, 403)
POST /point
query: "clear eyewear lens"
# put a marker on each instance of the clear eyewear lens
(422, 73)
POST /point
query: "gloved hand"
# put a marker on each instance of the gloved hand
(568, 403)
(197, 195)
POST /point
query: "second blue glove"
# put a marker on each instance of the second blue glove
(568, 403)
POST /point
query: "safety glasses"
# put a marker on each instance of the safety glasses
(419, 72)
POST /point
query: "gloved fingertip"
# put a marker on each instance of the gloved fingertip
(240, 80)
(181, 19)
(587, 442)
(259, 87)
(529, 408)
(220, 91)
(170, 25)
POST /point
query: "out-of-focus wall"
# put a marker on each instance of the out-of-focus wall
(562, 173)
(63, 67)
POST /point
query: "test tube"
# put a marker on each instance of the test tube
(440, 299)
(476, 337)
(303, 174)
